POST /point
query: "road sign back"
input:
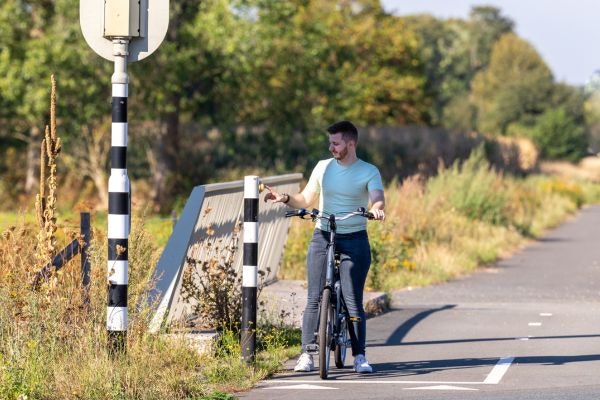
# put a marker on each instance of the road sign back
(103, 20)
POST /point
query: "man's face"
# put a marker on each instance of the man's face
(337, 146)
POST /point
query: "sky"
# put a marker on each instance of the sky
(566, 33)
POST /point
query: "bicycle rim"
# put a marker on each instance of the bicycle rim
(342, 344)
(325, 332)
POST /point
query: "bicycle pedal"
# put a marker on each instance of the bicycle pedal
(312, 349)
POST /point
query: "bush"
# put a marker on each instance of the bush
(558, 136)
(472, 188)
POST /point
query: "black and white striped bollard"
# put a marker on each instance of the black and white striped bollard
(250, 268)
(118, 205)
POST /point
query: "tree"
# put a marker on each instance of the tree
(592, 111)
(453, 51)
(559, 136)
(486, 26)
(191, 77)
(42, 37)
(514, 88)
(321, 60)
(444, 48)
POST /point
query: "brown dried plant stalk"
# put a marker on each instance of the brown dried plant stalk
(212, 285)
(45, 203)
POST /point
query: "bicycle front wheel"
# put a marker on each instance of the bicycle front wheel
(325, 332)
(342, 344)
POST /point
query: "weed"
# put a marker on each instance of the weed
(45, 204)
(212, 285)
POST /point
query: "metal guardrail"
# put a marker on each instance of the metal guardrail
(67, 254)
(211, 215)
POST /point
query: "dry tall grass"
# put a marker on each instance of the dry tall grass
(54, 346)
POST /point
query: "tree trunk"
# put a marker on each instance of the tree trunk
(98, 173)
(32, 160)
(164, 161)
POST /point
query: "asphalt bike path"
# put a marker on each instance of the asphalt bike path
(526, 328)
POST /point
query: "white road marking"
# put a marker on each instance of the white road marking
(498, 371)
(440, 387)
(545, 314)
(376, 382)
(535, 324)
(303, 387)
(493, 378)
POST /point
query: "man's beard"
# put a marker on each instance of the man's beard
(341, 155)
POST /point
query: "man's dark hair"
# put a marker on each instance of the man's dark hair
(346, 128)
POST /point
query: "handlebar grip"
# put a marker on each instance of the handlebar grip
(365, 213)
(301, 212)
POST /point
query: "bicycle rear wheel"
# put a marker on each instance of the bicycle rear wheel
(325, 332)
(342, 344)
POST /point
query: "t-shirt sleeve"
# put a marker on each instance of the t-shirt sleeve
(375, 182)
(314, 182)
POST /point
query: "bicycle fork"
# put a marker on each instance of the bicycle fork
(336, 289)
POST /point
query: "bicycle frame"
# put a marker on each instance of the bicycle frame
(331, 253)
(332, 330)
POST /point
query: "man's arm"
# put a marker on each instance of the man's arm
(299, 200)
(377, 199)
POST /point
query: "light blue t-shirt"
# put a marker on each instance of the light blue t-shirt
(343, 189)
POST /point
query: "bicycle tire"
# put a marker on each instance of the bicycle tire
(325, 332)
(342, 344)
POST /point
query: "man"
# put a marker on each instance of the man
(342, 184)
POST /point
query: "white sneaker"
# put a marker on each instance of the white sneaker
(305, 363)
(361, 365)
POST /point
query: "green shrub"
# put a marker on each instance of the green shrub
(559, 136)
(472, 188)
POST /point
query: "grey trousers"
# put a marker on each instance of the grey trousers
(355, 260)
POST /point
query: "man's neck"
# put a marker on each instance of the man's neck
(348, 160)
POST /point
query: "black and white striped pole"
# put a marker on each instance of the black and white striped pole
(118, 204)
(250, 268)
(121, 31)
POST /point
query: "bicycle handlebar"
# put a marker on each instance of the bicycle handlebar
(314, 214)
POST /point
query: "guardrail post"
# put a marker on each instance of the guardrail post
(250, 268)
(84, 230)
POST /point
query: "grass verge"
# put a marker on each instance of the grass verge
(53, 344)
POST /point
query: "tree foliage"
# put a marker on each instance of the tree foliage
(514, 88)
(253, 83)
(453, 51)
(559, 136)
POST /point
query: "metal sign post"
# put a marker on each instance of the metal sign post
(121, 31)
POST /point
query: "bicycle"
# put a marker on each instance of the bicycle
(332, 329)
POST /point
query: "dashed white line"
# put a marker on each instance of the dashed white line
(535, 324)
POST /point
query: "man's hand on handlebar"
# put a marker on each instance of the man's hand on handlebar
(377, 214)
